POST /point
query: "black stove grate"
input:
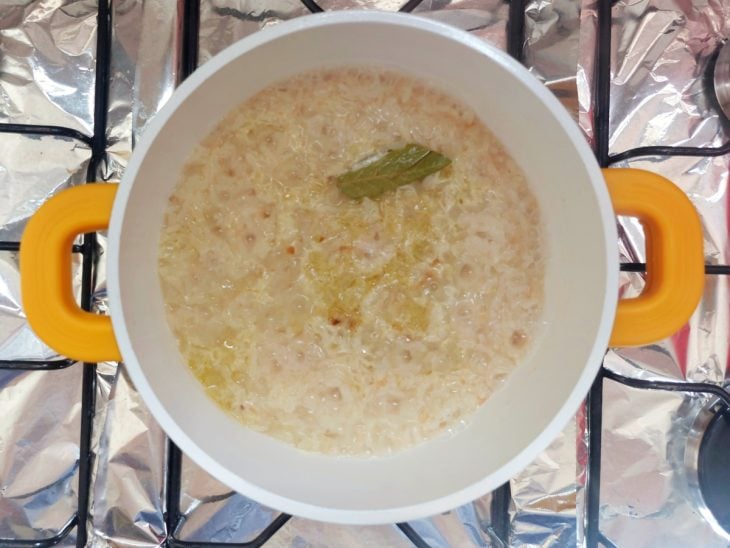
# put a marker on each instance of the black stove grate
(88, 250)
(601, 107)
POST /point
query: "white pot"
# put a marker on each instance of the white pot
(517, 422)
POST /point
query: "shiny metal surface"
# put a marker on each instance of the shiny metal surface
(646, 499)
(48, 55)
(552, 33)
(38, 451)
(721, 79)
(661, 52)
(31, 168)
(548, 497)
(661, 95)
(688, 442)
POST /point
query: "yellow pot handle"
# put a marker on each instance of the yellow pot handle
(675, 273)
(674, 256)
(45, 274)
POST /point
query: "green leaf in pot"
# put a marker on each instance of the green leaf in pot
(398, 167)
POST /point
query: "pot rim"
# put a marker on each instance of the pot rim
(454, 499)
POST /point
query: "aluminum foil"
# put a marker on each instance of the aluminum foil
(661, 95)
(300, 532)
(47, 53)
(144, 70)
(659, 90)
(662, 54)
(646, 498)
(552, 32)
(128, 487)
(485, 19)
(548, 497)
(225, 21)
(40, 451)
(31, 169)
(39, 441)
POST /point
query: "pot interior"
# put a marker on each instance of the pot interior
(539, 397)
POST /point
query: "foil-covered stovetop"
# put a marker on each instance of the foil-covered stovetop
(623, 473)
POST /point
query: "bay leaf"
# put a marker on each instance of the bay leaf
(398, 167)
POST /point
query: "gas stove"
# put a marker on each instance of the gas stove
(644, 461)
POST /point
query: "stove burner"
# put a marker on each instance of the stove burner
(722, 79)
(713, 466)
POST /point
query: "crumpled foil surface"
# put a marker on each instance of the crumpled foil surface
(31, 169)
(48, 56)
(47, 70)
(552, 33)
(646, 494)
(39, 450)
(662, 57)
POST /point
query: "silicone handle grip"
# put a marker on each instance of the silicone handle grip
(675, 265)
(674, 256)
(45, 274)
